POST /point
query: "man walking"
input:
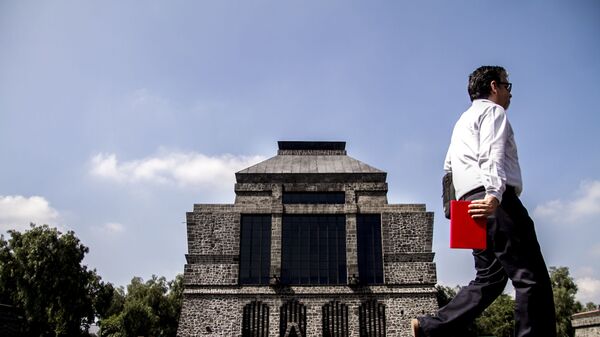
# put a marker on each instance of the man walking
(485, 169)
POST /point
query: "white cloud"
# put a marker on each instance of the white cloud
(182, 169)
(109, 228)
(588, 289)
(584, 207)
(17, 212)
(106, 166)
(114, 227)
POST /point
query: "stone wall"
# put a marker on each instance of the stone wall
(407, 232)
(212, 232)
(210, 316)
(211, 274)
(587, 324)
(409, 272)
(221, 315)
(214, 301)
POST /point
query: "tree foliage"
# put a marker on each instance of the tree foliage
(42, 275)
(148, 308)
(589, 306)
(498, 318)
(445, 294)
(564, 290)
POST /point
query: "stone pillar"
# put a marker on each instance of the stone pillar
(275, 247)
(351, 248)
(276, 223)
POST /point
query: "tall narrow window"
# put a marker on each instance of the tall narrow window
(255, 249)
(292, 319)
(370, 260)
(255, 321)
(371, 317)
(313, 249)
(335, 319)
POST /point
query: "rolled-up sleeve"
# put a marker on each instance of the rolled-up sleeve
(448, 162)
(493, 134)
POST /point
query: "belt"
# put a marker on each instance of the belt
(508, 190)
(479, 189)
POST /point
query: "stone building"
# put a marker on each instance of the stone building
(310, 247)
(587, 324)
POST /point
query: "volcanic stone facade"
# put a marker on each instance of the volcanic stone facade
(587, 324)
(216, 303)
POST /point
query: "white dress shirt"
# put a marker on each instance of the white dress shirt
(483, 151)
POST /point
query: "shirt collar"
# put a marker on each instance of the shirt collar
(486, 101)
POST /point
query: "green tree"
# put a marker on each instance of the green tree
(445, 294)
(589, 306)
(42, 275)
(498, 318)
(564, 290)
(112, 326)
(139, 320)
(148, 308)
(109, 301)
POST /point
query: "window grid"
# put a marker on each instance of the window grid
(335, 319)
(371, 319)
(292, 319)
(313, 249)
(255, 321)
(370, 257)
(255, 249)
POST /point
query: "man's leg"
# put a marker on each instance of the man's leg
(517, 248)
(471, 300)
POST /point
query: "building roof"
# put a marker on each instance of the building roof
(310, 157)
(296, 158)
(310, 164)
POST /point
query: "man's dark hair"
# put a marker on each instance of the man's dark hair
(480, 79)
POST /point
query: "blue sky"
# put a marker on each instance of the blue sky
(116, 117)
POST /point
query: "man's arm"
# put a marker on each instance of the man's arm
(493, 134)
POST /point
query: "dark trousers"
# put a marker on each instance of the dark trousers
(512, 253)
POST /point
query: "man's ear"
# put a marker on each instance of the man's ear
(493, 87)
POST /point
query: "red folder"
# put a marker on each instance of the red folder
(465, 232)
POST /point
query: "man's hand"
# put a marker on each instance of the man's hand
(482, 208)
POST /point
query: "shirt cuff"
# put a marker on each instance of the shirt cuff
(494, 194)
